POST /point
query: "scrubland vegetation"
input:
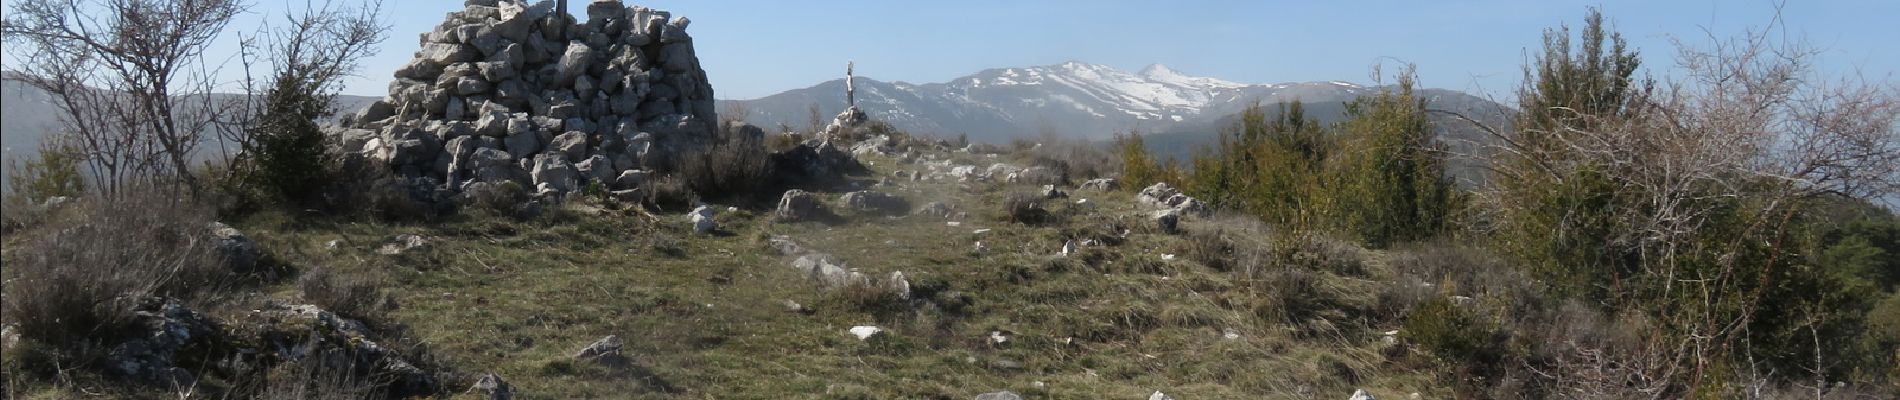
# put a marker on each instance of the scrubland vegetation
(1711, 236)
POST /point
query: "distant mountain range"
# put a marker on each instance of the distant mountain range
(1179, 112)
(28, 115)
(1072, 99)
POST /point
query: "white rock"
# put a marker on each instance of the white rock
(865, 331)
(1159, 396)
(702, 218)
(1360, 394)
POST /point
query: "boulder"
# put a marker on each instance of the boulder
(702, 218)
(572, 145)
(1003, 395)
(798, 205)
(238, 251)
(1101, 184)
(1050, 192)
(555, 173)
(875, 202)
(1168, 221)
(596, 169)
(899, 284)
(441, 55)
(492, 387)
(574, 62)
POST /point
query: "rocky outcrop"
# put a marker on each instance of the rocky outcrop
(814, 161)
(164, 330)
(510, 91)
(310, 334)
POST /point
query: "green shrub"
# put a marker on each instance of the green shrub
(52, 172)
(1458, 336)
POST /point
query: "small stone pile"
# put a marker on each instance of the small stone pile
(505, 91)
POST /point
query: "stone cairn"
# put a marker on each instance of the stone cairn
(505, 91)
(852, 117)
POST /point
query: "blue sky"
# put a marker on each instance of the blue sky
(753, 48)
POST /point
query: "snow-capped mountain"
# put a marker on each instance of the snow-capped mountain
(1075, 99)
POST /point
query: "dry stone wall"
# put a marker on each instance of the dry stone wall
(505, 90)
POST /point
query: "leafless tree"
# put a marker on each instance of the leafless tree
(128, 74)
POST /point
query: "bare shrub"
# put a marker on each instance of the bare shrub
(1074, 159)
(736, 164)
(1024, 207)
(669, 191)
(77, 282)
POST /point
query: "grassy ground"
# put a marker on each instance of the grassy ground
(704, 316)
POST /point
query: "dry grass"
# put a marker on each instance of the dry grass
(75, 281)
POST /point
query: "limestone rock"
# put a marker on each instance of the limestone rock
(874, 202)
(607, 349)
(572, 145)
(554, 172)
(702, 218)
(1003, 395)
(239, 251)
(1168, 221)
(164, 328)
(798, 205)
(1050, 192)
(493, 387)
